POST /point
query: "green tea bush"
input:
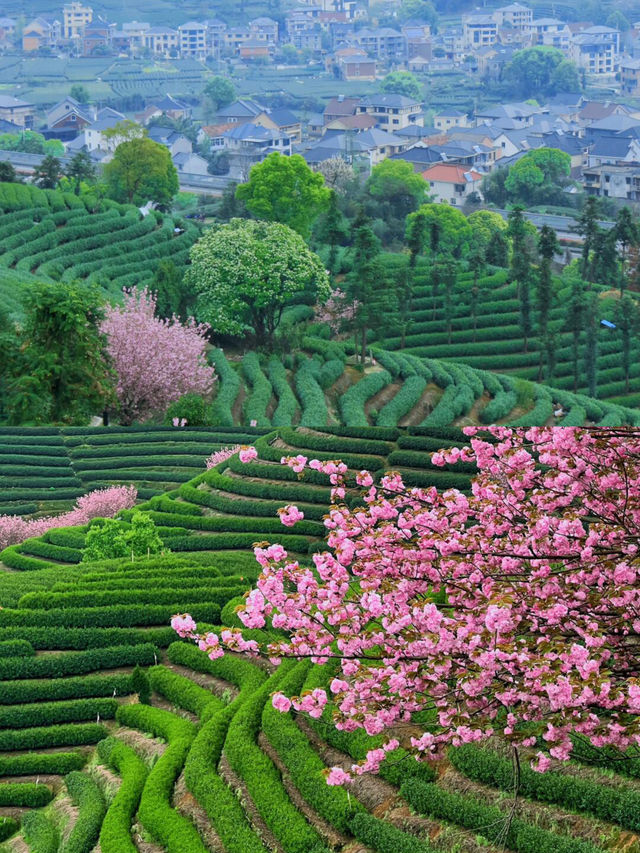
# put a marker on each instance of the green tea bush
(228, 385)
(40, 833)
(54, 713)
(24, 794)
(287, 407)
(115, 834)
(161, 821)
(76, 663)
(310, 394)
(403, 402)
(87, 796)
(32, 764)
(43, 737)
(260, 391)
(489, 821)
(352, 402)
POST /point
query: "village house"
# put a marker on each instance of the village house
(17, 112)
(448, 118)
(451, 183)
(479, 30)
(392, 112)
(192, 40)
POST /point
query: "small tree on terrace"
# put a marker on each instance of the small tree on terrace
(246, 272)
(511, 611)
(156, 361)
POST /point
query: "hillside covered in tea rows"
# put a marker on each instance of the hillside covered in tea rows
(114, 733)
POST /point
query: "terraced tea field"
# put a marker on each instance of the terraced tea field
(209, 765)
(51, 235)
(320, 386)
(497, 343)
(42, 470)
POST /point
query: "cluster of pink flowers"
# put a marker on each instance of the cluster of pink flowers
(537, 637)
(338, 311)
(102, 503)
(247, 454)
(289, 515)
(156, 361)
(221, 456)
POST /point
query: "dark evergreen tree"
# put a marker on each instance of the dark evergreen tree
(521, 264)
(587, 226)
(627, 235)
(591, 328)
(548, 246)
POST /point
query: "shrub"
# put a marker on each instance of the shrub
(180, 691)
(50, 736)
(310, 394)
(24, 794)
(115, 834)
(8, 827)
(75, 663)
(287, 404)
(492, 823)
(259, 396)
(167, 826)
(190, 408)
(228, 386)
(52, 713)
(352, 402)
(616, 805)
(40, 833)
(30, 764)
(88, 797)
(384, 838)
(16, 648)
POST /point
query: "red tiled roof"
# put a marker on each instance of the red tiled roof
(450, 173)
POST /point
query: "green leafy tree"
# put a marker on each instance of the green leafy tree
(81, 169)
(47, 174)
(539, 175)
(618, 21)
(486, 226)
(62, 369)
(419, 10)
(80, 93)
(141, 170)
(396, 182)
(284, 189)
(493, 187)
(142, 537)
(402, 83)
(548, 246)
(605, 267)
(454, 232)
(246, 272)
(541, 71)
(8, 174)
(219, 91)
(105, 540)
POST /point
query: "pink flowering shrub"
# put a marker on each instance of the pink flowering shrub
(247, 454)
(156, 361)
(516, 604)
(102, 503)
(221, 456)
(338, 312)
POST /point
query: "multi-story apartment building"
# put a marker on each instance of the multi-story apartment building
(392, 112)
(614, 181)
(192, 40)
(382, 43)
(597, 50)
(514, 15)
(264, 29)
(75, 19)
(479, 31)
(215, 35)
(550, 32)
(161, 40)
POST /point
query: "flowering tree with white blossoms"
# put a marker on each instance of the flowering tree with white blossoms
(514, 610)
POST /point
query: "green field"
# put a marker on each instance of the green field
(210, 765)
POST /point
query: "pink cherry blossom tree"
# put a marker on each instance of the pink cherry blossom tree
(513, 610)
(101, 503)
(156, 361)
